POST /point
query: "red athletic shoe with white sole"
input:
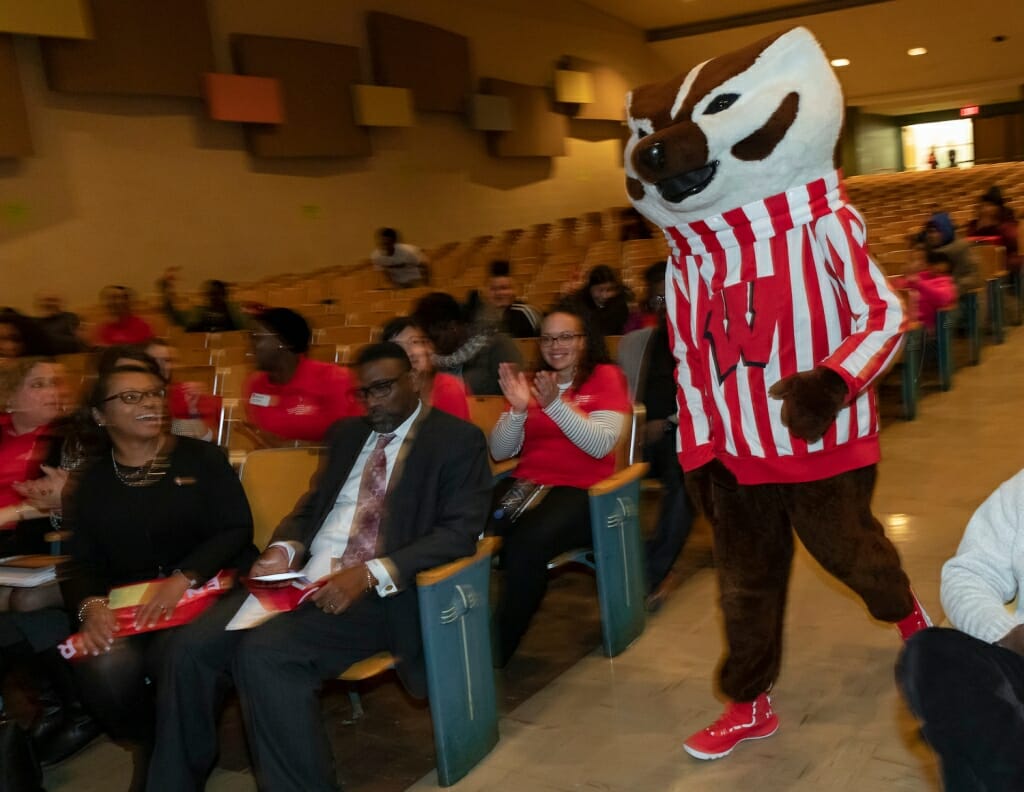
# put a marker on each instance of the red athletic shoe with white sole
(742, 720)
(917, 620)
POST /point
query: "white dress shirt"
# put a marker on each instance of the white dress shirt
(330, 541)
(332, 538)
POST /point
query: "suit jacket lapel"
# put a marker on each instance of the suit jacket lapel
(397, 472)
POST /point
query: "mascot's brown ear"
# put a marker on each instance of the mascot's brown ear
(810, 401)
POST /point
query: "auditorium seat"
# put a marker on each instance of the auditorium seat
(454, 602)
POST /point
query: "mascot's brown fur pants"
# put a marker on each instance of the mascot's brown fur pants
(753, 538)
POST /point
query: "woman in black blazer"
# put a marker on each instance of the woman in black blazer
(151, 506)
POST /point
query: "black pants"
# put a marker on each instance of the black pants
(675, 519)
(969, 697)
(279, 669)
(559, 523)
(117, 686)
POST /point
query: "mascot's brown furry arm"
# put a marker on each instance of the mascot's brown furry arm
(780, 323)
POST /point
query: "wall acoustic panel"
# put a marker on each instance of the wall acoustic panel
(610, 89)
(15, 140)
(141, 47)
(59, 18)
(433, 63)
(384, 107)
(490, 113)
(252, 100)
(536, 130)
(574, 87)
(317, 81)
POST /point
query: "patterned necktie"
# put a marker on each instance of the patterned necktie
(362, 540)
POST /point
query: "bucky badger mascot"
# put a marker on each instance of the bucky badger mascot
(780, 322)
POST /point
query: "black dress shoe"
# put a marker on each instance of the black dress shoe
(19, 766)
(75, 732)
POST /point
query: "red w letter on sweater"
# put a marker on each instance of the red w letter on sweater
(740, 325)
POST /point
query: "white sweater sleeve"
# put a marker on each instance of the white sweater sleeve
(595, 434)
(507, 435)
(980, 579)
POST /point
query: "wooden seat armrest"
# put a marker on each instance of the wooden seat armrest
(487, 546)
(634, 472)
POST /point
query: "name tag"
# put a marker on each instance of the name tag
(260, 400)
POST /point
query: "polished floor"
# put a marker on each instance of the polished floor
(617, 725)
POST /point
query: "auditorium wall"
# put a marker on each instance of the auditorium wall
(121, 187)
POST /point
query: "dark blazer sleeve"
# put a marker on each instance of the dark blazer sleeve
(464, 495)
(228, 520)
(304, 521)
(88, 574)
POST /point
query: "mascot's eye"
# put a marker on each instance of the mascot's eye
(720, 103)
(640, 134)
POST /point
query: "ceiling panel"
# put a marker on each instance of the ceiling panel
(661, 13)
(963, 64)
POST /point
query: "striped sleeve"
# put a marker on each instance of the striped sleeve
(507, 435)
(878, 318)
(595, 434)
(695, 444)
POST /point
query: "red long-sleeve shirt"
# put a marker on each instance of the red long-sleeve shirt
(770, 289)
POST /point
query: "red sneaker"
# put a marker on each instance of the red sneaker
(917, 620)
(742, 720)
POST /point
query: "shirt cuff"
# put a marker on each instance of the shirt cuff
(289, 548)
(385, 584)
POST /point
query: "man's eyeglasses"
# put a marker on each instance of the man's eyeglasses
(562, 339)
(377, 390)
(137, 396)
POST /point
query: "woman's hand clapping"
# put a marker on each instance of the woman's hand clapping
(514, 386)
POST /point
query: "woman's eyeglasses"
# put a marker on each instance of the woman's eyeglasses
(137, 396)
(562, 339)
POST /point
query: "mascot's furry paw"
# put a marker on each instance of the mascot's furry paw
(810, 401)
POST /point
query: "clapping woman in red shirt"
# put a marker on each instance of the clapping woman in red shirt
(564, 426)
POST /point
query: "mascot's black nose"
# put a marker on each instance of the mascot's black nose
(653, 157)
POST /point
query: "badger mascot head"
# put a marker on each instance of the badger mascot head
(735, 129)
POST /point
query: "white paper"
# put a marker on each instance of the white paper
(251, 614)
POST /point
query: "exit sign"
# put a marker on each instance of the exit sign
(970, 110)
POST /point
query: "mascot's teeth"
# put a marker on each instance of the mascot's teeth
(690, 183)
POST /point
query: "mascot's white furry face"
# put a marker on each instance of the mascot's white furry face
(736, 129)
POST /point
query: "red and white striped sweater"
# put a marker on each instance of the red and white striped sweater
(770, 289)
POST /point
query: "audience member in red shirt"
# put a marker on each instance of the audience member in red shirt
(564, 426)
(124, 327)
(930, 284)
(443, 391)
(654, 302)
(292, 397)
(30, 394)
(996, 223)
